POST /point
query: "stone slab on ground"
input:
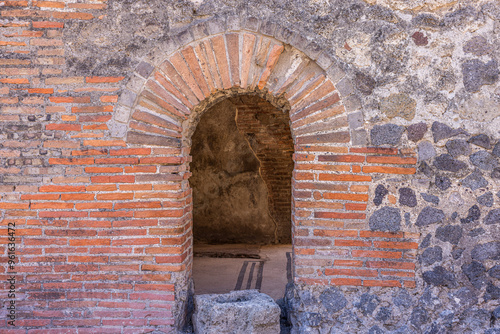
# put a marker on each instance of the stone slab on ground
(245, 312)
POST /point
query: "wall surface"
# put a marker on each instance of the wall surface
(230, 200)
(394, 110)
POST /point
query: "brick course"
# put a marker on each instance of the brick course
(115, 214)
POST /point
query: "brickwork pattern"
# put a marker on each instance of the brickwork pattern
(96, 178)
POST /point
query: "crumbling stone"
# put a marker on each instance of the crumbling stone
(245, 311)
(475, 272)
(478, 46)
(333, 300)
(442, 131)
(442, 182)
(440, 277)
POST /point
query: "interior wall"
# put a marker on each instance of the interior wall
(230, 202)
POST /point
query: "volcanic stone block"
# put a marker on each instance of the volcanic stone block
(493, 217)
(386, 219)
(447, 163)
(407, 197)
(475, 180)
(443, 131)
(449, 233)
(429, 215)
(416, 131)
(245, 311)
(484, 160)
(387, 134)
(431, 255)
(481, 140)
(486, 199)
(440, 277)
(380, 193)
(457, 147)
(476, 73)
(426, 151)
(489, 250)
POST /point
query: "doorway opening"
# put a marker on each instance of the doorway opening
(241, 180)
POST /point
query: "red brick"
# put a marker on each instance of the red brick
(346, 197)
(376, 150)
(92, 109)
(103, 169)
(344, 177)
(271, 62)
(71, 161)
(61, 189)
(180, 65)
(389, 170)
(219, 49)
(114, 196)
(131, 151)
(391, 160)
(47, 24)
(336, 233)
(352, 243)
(376, 254)
(351, 272)
(117, 161)
(51, 205)
(345, 281)
(381, 283)
(140, 169)
(396, 245)
(398, 274)
(348, 263)
(93, 206)
(103, 79)
(341, 158)
(340, 215)
(64, 127)
(355, 206)
(377, 234)
(77, 197)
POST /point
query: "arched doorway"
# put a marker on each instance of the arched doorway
(163, 111)
(241, 180)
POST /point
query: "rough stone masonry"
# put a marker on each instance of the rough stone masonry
(394, 111)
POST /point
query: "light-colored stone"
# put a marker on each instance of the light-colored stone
(242, 312)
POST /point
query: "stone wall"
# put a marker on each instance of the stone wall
(452, 202)
(393, 108)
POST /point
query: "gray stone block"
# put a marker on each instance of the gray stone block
(245, 311)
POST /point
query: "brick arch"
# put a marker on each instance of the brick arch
(166, 109)
(204, 72)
